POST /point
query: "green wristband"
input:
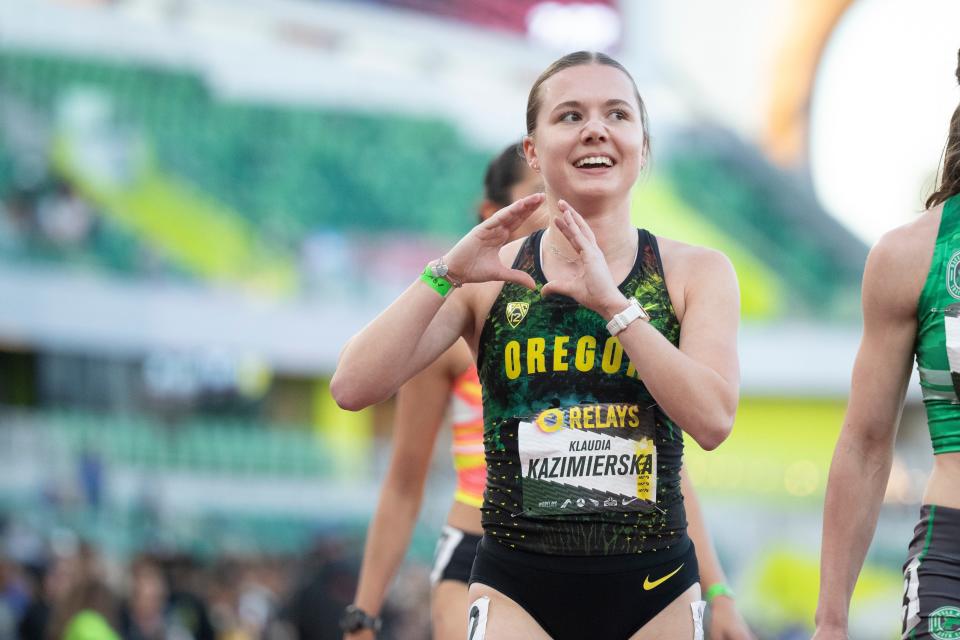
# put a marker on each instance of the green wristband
(438, 284)
(716, 590)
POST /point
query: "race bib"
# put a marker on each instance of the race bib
(951, 329)
(588, 459)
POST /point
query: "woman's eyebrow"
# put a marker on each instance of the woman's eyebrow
(617, 102)
(568, 104)
(576, 104)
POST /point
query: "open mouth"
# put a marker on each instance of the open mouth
(594, 162)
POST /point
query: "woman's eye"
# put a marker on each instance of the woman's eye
(570, 116)
(619, 115)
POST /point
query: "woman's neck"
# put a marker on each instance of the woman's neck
(610, 225)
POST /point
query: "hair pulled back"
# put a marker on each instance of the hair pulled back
(949, 185)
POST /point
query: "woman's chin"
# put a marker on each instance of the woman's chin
(593, 193)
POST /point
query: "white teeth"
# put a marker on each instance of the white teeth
(604, 160)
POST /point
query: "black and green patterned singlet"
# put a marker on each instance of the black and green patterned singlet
(581, 460)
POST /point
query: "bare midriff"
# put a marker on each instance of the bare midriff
(943, 487)
(465, 518)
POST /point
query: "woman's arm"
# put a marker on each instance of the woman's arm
(698, 384)
(864, 451)
(725, 621)
(421, 406)
(420, 324)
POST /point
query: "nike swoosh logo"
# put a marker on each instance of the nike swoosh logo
(647, 585)
(474, 620)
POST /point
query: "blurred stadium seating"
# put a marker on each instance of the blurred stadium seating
(261, 178)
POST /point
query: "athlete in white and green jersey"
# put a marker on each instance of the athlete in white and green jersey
(911, 294)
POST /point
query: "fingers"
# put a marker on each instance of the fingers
(557, 288)
(521, 278)
(513, 215)
(578, 220)
(568, 227)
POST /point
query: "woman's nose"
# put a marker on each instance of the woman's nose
(593, 131)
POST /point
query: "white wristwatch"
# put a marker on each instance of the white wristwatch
(620, 321)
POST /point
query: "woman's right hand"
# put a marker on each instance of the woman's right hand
(476, 258)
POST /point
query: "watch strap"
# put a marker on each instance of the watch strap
(355, 619)
(622, 320)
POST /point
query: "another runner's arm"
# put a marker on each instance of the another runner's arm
(864, 451)
(420, 325)
(421, 405)
(726, 622)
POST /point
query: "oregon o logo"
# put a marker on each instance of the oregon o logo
(953, 275)
(945, 622)
(550, 420)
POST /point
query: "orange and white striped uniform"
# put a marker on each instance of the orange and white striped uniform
(466, 412)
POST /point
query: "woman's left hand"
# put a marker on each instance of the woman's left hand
(593, 285)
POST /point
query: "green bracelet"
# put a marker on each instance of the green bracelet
(716, 590)
(438, 284)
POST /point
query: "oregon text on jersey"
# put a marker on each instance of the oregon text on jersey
(532, 356)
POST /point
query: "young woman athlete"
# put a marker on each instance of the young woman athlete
(911, 307)
(450, 387)
(585, 382)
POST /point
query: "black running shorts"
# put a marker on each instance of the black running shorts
(931, 577)
(576, 597)
(453, 556)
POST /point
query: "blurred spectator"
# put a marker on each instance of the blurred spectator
(313, 608)
(162, 605)
(54, 581)
(187, 610)
(144, 612)
(83, 607)
(88, 612)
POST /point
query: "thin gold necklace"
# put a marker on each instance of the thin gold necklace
(557, 252)
(554, 250)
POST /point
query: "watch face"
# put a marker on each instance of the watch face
(351, 620)
(355, 619)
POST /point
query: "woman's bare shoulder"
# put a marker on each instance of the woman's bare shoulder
(898, 263)
(905, 244)
(683, 257)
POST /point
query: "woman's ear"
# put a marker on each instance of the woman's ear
(530, 152)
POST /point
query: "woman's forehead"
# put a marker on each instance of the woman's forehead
(588, 84)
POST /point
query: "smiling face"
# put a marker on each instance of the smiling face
(589, 138)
